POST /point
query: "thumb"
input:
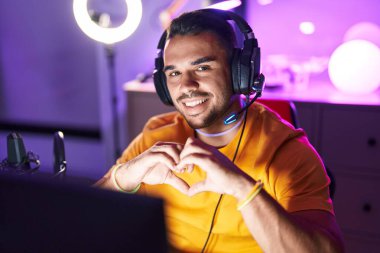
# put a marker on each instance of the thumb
(197, 188)
(177, 183)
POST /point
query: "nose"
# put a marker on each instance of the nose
(188, 83)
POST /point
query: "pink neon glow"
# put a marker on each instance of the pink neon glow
(307, 27)
(226, 5)
(264, 2)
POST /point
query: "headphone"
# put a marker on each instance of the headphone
(245, 65)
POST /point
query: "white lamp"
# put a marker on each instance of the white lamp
(364, 31)
(108, 35)
(354, 67)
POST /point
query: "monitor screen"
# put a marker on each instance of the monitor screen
(39, 215)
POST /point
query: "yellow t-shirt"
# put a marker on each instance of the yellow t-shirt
(270, 150)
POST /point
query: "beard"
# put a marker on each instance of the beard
(208, 120)
(212, 116)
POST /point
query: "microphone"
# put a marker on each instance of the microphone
(59, 154)
(18, 160)
(258, 88)
(17, 157)
(234, 116)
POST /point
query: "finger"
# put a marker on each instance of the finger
(203, 161)
(178, 146)
(172, 149)
(181, 168)
(190, 168)
(192, 147)
(177, 183)
(153, 159)
(190, 140)
(194, 141)
(197, 188)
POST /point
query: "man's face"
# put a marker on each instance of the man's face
(198, 78)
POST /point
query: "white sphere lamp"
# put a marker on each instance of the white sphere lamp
(354, 67)
(364, 31)
(108, 35)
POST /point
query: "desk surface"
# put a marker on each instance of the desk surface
(317, 92)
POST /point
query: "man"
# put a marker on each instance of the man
(251, 186)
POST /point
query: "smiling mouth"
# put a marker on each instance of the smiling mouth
(194, 103)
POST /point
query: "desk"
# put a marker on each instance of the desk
(344, 129)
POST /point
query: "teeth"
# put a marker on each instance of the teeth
(195, 103)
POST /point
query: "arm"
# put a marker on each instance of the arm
(275, 229)
(278, 231)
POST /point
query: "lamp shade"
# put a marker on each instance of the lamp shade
(354, 67)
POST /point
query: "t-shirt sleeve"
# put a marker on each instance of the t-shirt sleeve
(299, 179)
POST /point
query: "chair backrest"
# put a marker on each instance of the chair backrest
(285, 108)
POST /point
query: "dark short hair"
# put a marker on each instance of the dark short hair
(196, 22)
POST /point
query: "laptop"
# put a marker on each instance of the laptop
(39, 215)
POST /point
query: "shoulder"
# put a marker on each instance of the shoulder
(167, 127)
(289, 147)
(285, 156)
(162, 121)
(282, 138)
(270, 134)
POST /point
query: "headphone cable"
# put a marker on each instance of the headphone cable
(221, 195)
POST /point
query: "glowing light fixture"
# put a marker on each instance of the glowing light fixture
(264, 2)
(225, 5)
(364, 31)
(108, 35)
(307, 27)
(354, 67)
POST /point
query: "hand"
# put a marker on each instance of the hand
(154, 166)
(223, 176)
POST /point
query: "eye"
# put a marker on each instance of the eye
(174, 73)
(203, 68)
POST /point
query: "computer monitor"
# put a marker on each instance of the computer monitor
(39, 215)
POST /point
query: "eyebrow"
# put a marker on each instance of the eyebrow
(203, 60)
(196, 62)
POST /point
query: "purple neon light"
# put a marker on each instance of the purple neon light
(225, 5)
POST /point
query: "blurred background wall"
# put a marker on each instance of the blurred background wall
(53, 77)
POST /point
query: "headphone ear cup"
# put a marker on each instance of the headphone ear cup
(235, 70)
(159, 80)
(241, 71)
(246, 70)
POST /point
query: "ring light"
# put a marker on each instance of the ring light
(108, 35)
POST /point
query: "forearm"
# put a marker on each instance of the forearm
(275, 230)
(116, 177)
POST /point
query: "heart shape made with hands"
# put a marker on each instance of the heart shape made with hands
(220, 171)
(164, 161)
